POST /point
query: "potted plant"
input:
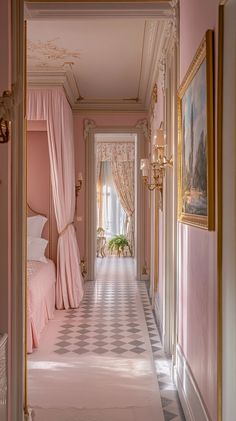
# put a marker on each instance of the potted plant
(118, 244)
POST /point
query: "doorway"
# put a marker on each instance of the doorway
(115, 197)
(133, 225)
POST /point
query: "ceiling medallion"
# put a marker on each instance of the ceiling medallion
(40, 53)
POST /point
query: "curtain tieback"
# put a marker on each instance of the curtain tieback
(65, 228)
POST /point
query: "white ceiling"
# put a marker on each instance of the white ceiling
(107, 61)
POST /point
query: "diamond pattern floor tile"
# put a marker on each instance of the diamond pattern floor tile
(169, 396)
(108, 322)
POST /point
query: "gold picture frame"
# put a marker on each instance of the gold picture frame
(196, 201)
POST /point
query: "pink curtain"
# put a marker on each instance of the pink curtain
(51, 105)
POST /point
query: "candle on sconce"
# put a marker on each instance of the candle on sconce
(154, 153)
(158, 153)
(159, 138)
(144, 167)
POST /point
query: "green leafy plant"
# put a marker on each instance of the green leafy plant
(118, 244)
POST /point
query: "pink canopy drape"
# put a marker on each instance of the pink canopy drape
(51, 105)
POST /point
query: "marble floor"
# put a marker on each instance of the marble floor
(102, 362)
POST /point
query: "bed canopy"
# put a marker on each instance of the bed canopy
(51, 105)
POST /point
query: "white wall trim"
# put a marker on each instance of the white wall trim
(170, 203)
(77, 9)
(18, 221)
(90, 131)
(157, 312)
(191, 400)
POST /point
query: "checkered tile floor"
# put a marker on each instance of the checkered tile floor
(108, 322)
(169, 396)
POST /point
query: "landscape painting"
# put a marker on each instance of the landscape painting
(196, 145)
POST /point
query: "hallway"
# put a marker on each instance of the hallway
(102, 356)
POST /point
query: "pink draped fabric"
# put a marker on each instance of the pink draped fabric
(51, 105)
(41, 279)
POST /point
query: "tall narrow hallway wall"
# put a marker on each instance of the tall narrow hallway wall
(197, 274)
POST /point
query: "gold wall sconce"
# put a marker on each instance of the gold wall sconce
(83, 267)
(79, 183)
(154, 170)
(4, 131)
(5, 117)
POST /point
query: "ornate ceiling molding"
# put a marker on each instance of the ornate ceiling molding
(50, 54)
(171, 40)
(88, 126)
(175, 20)
(154, 73)
(143, 126)
(64, 10)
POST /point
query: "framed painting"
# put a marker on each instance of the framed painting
(196, 140)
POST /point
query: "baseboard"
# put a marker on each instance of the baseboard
(158, 317)
(189, 395)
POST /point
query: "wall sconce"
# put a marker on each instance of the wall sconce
(79, 183)
(153, 172)
(6, 102)
(4, 131)
(83, 267)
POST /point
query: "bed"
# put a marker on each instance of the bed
(40, 299)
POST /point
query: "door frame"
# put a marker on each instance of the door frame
(17, 404)
(162, 9)
(90, 221)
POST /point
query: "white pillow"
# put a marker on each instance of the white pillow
(35, 225)
(36, 249)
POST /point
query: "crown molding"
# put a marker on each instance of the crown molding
(64, 10)
(157, 53)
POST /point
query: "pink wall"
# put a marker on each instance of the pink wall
(37, 125)
(101, 119)
(39, 194)
(197, 257)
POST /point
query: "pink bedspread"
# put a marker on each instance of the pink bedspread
(41, 299)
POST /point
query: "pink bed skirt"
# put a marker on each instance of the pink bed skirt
(41, 299)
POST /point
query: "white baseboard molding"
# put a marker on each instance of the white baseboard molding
(191, 400)
(158, 317)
